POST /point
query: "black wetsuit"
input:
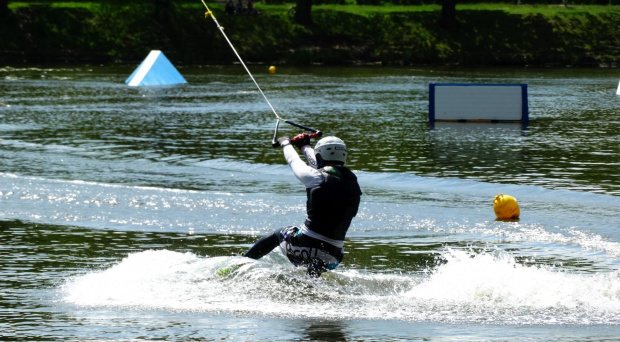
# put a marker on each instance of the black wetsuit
(333, 200)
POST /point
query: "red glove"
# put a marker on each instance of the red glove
(301, 140)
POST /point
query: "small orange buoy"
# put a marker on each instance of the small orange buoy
(506, 207)
(272, 69)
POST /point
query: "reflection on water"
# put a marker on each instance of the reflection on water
(324, 331)
(88, 115)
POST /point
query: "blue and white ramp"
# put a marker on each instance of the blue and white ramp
(155, 70)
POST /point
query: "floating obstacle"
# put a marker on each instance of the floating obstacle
(465, 102)
(506, 207)
(155, 70)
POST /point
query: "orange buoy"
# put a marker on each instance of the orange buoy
(506, 207)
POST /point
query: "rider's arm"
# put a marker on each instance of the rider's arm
(308, 151)
(309, 176)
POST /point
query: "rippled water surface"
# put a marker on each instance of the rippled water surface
(120, 208)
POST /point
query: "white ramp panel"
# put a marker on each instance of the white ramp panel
(478, 102)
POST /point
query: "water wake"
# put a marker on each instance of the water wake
(489, 287)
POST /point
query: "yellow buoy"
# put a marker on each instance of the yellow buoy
(272, 69)
(506, 207)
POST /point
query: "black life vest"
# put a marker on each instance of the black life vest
(332, 205)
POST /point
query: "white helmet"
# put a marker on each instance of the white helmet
(331, 149)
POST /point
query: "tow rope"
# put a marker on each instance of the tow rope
(210, 14)
(314, 133)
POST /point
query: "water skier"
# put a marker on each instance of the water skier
(333, 200)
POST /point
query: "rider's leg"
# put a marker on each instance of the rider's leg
(263, 246)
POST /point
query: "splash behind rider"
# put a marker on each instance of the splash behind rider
(333, 200)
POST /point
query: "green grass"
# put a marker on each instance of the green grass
(369, 10)
(366, 11)
(68, 4)
(513, 9)
(542, 9)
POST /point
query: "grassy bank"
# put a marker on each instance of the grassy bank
(487, 34)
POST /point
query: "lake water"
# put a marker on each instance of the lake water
(120, 207)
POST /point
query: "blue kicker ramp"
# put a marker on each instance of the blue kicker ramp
(155, 70)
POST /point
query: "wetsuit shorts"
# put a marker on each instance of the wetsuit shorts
(319, 256)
